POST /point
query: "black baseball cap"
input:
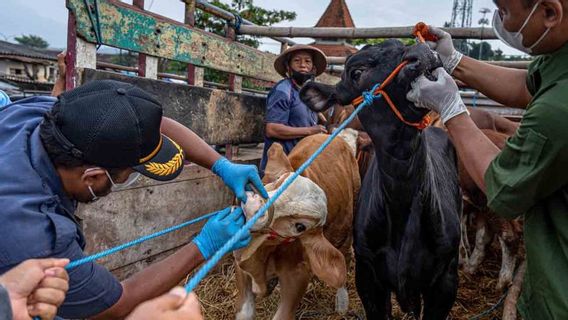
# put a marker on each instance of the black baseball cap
(113, 124)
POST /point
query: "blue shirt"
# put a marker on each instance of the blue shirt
(283, 105)
(36, 216)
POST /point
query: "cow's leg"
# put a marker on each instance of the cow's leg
(439, 299)
(483, 237)
(293, 284)
(509, 247)
(245, 304)
(373, 294)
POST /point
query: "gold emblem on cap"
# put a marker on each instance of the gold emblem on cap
(165, 169)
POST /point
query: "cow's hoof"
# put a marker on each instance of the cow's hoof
(341, 301)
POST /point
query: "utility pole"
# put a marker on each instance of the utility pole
(483, 22)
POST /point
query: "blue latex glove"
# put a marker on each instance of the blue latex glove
(238, 176)
(219, 229)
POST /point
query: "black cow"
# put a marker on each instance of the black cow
(406, 231)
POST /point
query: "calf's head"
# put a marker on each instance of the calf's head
(299, 215)
(372, 65)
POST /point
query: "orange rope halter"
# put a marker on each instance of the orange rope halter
(422, 34)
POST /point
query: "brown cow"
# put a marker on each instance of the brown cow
(487, 224)
(308, 231)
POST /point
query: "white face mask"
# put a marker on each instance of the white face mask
(515, 39)
(132, 177)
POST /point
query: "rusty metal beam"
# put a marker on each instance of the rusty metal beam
(127, 27)
(360, 33)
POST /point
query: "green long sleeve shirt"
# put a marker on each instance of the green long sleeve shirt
(530, 177)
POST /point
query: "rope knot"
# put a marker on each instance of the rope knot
(369, 96)
(237, 24)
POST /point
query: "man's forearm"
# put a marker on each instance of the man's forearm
(284, 132)
(58, 87)
(153, 281)
(504, 85)
(196, 150)
(474, 148)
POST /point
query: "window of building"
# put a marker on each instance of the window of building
(16, 72)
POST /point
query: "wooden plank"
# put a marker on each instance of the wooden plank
(147, 207)
(218, 116)
(360, 33)
(127, 27)
(126, 215)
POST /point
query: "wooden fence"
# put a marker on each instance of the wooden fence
(222, 114)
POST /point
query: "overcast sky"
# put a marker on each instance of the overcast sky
(48, 18)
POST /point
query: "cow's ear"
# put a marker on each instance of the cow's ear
(277, 164)
(326, 262)
(318, 96)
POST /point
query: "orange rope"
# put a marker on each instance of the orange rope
(425, 122)
(422, 34)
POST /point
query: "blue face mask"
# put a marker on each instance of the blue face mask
(515, 39)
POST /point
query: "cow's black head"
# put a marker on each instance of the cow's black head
(372, 65)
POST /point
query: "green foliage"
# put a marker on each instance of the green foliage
(481, 50)
(32, 41)
(247, 10)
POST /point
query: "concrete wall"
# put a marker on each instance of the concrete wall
(44, 73)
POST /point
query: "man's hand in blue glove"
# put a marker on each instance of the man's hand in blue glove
(237, 176)
(219, 229)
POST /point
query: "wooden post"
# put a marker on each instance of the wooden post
(194, 74)
(141, 56)
(71, 57)
(235, 85)
(80, 54)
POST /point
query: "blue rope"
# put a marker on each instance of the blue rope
(96, 256)
(132, 243)
(474, 100)
(210, 264)
(238, 22)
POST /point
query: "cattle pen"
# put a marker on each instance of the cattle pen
(229, 116)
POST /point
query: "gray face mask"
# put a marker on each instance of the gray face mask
(515, 39)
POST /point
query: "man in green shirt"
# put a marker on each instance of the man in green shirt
(529, 176)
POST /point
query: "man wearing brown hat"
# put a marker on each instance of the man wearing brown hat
(288, 119)
(90, 141)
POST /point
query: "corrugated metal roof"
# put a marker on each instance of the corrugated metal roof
(18, 50)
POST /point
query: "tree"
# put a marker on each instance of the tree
(247, 10)
(486, 53)
(32, 41)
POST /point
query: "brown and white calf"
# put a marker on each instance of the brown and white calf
(307, 232)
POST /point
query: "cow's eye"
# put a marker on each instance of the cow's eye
(356, 74)
(300, 227)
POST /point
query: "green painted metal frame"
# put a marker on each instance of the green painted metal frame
(127, 27)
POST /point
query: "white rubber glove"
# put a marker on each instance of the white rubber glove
(445, 48)
(442, 95)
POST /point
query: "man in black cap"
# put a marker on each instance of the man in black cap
(91, 140)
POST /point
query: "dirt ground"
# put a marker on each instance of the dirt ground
(476, 294)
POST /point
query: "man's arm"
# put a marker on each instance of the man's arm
(153, 281)
(473, 147)
(504, 85)
(284, 132)
(59, 86)
(196, 150)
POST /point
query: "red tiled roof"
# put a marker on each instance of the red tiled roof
(336, 15)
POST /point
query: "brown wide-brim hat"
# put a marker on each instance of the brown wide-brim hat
(281, 62)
